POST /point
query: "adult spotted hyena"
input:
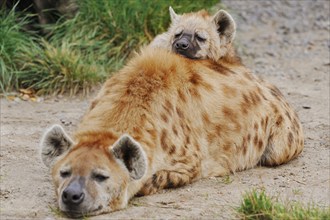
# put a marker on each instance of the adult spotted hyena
(198, 35)
(165, 121)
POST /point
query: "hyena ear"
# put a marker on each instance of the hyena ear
(129, 151)
(226, 26)
(174, 16)
(54, 143)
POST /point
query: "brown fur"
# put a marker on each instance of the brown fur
(193, 119)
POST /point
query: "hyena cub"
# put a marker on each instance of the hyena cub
(198, 35)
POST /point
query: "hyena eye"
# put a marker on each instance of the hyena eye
(178, 34)
(65, 173)
(100, 177)
(199, 38)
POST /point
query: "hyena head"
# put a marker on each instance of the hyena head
(198, 35)
(89, 178)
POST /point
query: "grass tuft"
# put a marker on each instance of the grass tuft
(13, 42)
(258, 205)
(59, 69)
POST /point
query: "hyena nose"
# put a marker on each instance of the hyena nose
(73, 194)
(183, 45)
(70, 198)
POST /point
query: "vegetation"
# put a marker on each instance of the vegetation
(13, 43)
(257, 205)
(82, 51)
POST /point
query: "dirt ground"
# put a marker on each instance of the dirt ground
(285, 42)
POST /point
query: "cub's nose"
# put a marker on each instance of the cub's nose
(182, 44)
(73, 195)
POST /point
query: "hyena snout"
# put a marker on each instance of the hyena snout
(182, 44)
(185, 47)
(73, 194)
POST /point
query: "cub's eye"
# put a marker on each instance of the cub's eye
(199, 38)
(178, 34)
(65, 173)
(100, 177)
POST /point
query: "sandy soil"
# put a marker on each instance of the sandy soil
(285, 42)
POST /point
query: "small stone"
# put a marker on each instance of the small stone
(25, 97)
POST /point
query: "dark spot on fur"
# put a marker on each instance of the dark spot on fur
(195, 79)
(194, 92)
(164, 118)
(220, 68)
(249, 137)
(262, 122)
(244, 146)
(218, 129)
(169, 184)
(254, 98)
(227, 147)
(260, 144)
(295, 123)
(246, 99)
(266, 122)
(228, 113)
(163, 140)
(279, 120)
(206, 118)
(255, 140)
(275, 92)
(288, 115)
(172, 150)
(210, 137)
(175, 131)
(187, 140)
(256, 126)
(180, 113)
(188, 128)
(275, 109)
(182, 96)
(168, 106)
(154, 180)
(290, 138)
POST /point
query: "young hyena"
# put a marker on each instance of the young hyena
(166, 121)
(198, 35)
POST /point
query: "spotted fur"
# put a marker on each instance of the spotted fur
(165, 121)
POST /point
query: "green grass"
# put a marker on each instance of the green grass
(13, 43)
(85, 50)
(258, 205)
(56, 212)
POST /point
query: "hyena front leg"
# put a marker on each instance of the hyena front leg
(165, 179)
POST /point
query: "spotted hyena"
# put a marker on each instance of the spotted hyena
(199, 35)
(165, 121)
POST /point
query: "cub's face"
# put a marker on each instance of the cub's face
(89, 181)
(198, 35)
(194, 37)
(91, 177)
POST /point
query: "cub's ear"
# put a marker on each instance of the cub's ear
(173, 15)
(129, 151)
(54, 143)
(226, 26)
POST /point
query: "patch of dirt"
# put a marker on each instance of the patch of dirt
(285, 42)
